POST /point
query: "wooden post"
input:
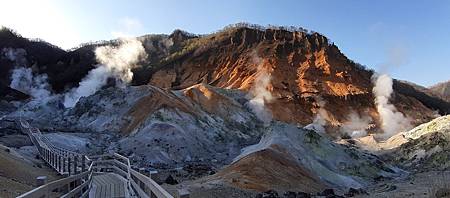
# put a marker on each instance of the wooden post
(152, 174)
(41, 180)
(68, 164)
(48, 156)
(45, 155)
(65, 164)
(182, 193)
(142, 184)
(83, 163)
(52, 158)
(142, 171)
(61, 164)
(75, 161)
(57, 162)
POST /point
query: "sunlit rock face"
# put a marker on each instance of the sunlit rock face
(302, 68)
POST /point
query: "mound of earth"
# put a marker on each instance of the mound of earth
(270, 169)
(289, 158)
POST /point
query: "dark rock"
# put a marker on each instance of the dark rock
(290, 194)
(351, 141)
(198, 169)
(303, 195)
(442, 192)
(352, 192)
(327, 192)
(268, 194)
(9, 94)
(379, 178)
(346, 137)
(170, 180)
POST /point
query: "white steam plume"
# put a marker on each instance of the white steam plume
(259, 92)
(115, 62)
(392, 121)
(22, 78)
(36, 86)
(16, 55)
(356, 126)
(320, 120)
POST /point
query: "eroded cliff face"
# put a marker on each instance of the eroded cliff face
(307, 74)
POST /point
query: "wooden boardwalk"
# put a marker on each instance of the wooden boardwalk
(107, 175)
(108, 185)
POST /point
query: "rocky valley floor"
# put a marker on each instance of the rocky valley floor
(214, 152)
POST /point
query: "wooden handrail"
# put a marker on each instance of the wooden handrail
(44, 190)
(151, 184)
(66, 162)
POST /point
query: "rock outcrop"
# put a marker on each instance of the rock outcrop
(289, 158)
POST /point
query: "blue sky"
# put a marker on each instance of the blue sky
(409, 39)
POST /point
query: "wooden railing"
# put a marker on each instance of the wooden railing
(80, 169)
(71, 186)
(63, 161)
(138, 184)
(115, 163)
(76, 167)
(146, 187)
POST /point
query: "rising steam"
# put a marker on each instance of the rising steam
(356, 125)
(22, 77)
(16, 55)
(36, 86)
(320, 120)
(392, 121)
(115, 62)
(259, 93)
